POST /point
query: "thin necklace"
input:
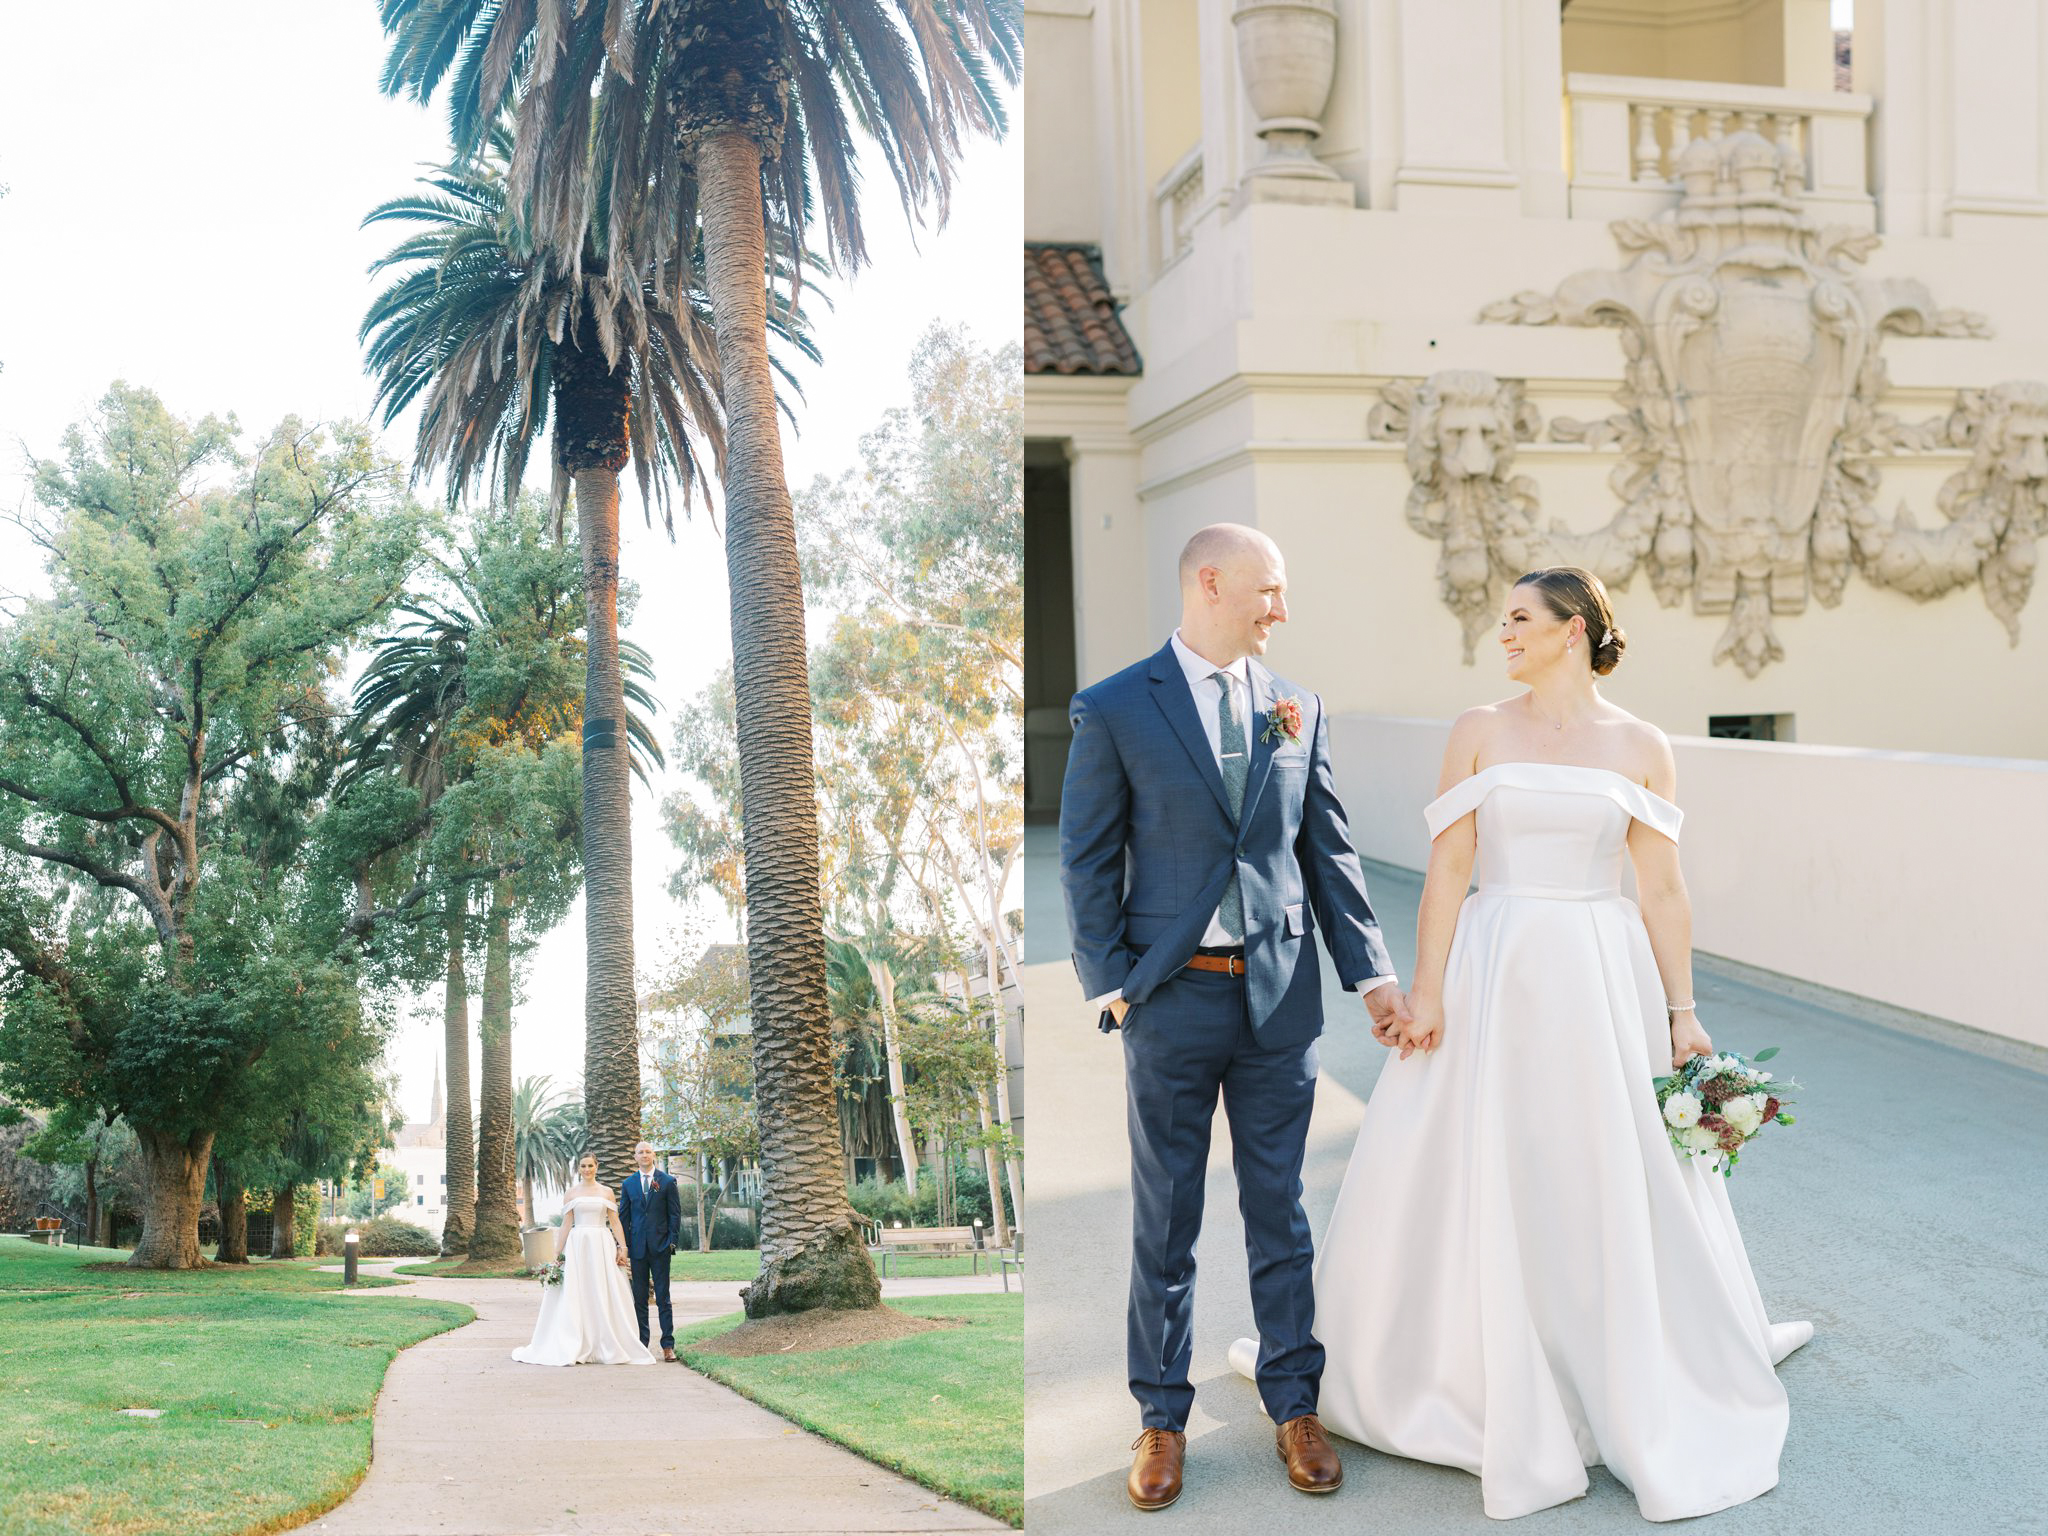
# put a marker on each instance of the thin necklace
(1555, 725)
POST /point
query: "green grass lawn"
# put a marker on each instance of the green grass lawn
(719, 1264)
(462, 1269)
(266, 1378)
(945, 1408)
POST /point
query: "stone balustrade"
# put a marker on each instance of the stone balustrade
(1627, 133)
(1178, 201)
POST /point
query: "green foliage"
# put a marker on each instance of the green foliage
(362, 1199)
(165, 742)
(889, 1202)
(702, 1099)
(388, 1237)
(492, 345)
(548, 1134)
(464, 749)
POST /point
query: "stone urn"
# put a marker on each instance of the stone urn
(537, 1246)
(1287, 56)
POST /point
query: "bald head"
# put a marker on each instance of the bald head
(1222, 545)
(1233, 586)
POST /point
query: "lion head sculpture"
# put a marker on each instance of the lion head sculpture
(1460, 429)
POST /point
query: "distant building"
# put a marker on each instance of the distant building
(420, 1151)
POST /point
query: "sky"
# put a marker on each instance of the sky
(185, 189)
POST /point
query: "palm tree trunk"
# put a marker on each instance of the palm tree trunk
(592, 420)
(811, 1249)
(234, 1216)
(461, 1164)
(174, 1180)
(495, 1235)
(611, 1024)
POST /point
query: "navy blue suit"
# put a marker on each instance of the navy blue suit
(1147, 846)
(652, 1222)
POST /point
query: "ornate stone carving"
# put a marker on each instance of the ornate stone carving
(1749, 423)
(1461, 429)
(1997, 508)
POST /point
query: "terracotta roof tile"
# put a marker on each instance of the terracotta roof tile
(1070, 319)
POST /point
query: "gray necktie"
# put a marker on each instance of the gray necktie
(1236, 766)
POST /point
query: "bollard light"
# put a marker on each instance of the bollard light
(348, 1256)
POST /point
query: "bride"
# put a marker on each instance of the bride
(588, 1318)
(1520, 1277)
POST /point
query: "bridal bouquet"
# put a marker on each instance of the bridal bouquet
(550, 1274)
(1714, 1104)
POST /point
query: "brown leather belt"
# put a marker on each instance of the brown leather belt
(1227, 965)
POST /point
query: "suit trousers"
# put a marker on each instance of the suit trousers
(652, 1268)
(1190, 1041)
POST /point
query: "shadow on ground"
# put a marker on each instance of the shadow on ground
(1901, 1215)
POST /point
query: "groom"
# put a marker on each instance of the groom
(651, 1211)
(1201, 846)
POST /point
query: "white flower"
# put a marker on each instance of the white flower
(1763, 1077)
(1745, 1113)
(1700, 1139)
(1682, 1110)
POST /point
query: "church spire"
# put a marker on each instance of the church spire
(440, 1111)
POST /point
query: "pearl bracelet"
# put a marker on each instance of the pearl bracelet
(1684, 1007)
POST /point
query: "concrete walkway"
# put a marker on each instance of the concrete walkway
(1902, 1215)
(469, 1442)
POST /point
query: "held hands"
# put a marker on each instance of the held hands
(1421, 1028)
(1687, 1038)
(1410, 1022)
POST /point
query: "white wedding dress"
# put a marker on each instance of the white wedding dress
(1521, 1278)
(588, 1318)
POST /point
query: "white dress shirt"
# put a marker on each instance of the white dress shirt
(1208, 692)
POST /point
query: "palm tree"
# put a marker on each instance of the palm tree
(416, 704)
(493, 338)
(405, 703)
(548, 1136)
(719, 112)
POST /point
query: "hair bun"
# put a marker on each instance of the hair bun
(1607, 655)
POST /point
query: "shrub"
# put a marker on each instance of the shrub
(890, 1202)
(383, 1237)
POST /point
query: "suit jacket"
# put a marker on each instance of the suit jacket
(1147, 846)
(652, 1223)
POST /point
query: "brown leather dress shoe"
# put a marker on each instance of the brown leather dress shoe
(668, 1354)
(1155, 1471)
(1312, 1464)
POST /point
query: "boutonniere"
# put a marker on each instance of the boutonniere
(1284, 718)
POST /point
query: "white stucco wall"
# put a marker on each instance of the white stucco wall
(1266, 348)
(1907, 878)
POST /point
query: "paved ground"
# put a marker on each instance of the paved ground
(469, 1442)
(1902, 1215)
